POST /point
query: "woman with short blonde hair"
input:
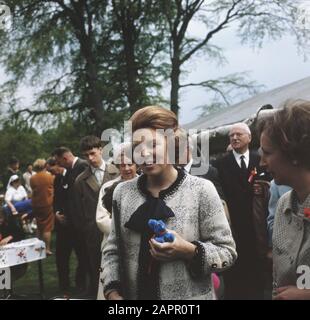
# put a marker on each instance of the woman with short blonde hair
(39, 164)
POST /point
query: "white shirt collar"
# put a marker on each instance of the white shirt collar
(74, 161)
(238, 157)
(102, 167)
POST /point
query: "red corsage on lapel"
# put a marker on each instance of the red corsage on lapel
(252, 175)
(307, 213)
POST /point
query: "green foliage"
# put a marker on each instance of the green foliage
(83, 61)
(27, 144)
(66, 134)
(24, 143)
(97, 61)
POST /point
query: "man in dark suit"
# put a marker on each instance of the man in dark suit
(87, 187)
(64, 238)
(236, 170)
(74, 166)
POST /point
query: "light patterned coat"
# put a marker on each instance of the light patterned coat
(291, 241)
(199, 215)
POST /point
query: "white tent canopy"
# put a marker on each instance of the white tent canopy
(246, 109)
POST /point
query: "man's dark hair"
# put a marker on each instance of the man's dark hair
(60, 151)
(13, 160)
(90, 142)
(51, 162)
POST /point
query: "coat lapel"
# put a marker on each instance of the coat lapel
(110, 173)
(253, 162)
(91, 180)
(237, 170)
(233, 163)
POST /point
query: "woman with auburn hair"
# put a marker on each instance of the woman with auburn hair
(285, 148)
(42, 185)
(135, 266)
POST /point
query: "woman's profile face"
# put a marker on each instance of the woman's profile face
(150, 151)
(275, 162)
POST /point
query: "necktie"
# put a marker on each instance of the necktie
(243, 165)
(99, 176)
(244, 170)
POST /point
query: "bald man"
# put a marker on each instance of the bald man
(245, 279)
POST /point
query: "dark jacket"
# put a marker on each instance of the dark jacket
(60, 193)
(71, 176)
(239, 197)
(11, 227)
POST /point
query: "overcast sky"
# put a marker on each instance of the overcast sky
(276, 64)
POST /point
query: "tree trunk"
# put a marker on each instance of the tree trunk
(175, 86)
(135, 93)
(93, 96)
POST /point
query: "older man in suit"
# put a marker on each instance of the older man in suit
(87, 187)
(237, 169)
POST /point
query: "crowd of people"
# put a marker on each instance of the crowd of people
(240, 231)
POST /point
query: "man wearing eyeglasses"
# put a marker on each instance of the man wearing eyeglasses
(237, 170)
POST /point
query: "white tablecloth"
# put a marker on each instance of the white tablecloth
(22, 252)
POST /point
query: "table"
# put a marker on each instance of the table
(24, 251)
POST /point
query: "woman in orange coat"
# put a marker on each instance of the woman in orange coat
(42, 202)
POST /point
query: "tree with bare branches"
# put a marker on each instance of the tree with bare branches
(255, 20)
